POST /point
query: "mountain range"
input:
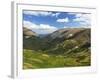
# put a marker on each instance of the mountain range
(68, 42)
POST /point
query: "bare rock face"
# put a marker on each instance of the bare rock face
(28, 33)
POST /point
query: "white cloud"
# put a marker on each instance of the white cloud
(63, 20)
(76, 26)
(70, 27)
(78, 15)
(41, 13)
(66, 27)
(41, 28)
(56, 14)
(37, 13)
(83, 19)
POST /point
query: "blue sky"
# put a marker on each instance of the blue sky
(45, 22)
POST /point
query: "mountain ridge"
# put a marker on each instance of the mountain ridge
(62, 48)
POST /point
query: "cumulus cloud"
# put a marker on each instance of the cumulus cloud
(83, 19)
(37, 13)
(76, 26)
(63, 20)
(41, 28)
(56, 14)
(72, 26)
(41, 13)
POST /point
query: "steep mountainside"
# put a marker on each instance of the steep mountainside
(28, 32)
(30, 39)
(69, 34)
(77, 37)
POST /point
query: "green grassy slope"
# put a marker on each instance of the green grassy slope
(33, 59)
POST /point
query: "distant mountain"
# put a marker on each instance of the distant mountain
(42, 35)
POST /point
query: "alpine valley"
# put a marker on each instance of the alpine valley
(67, 47)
